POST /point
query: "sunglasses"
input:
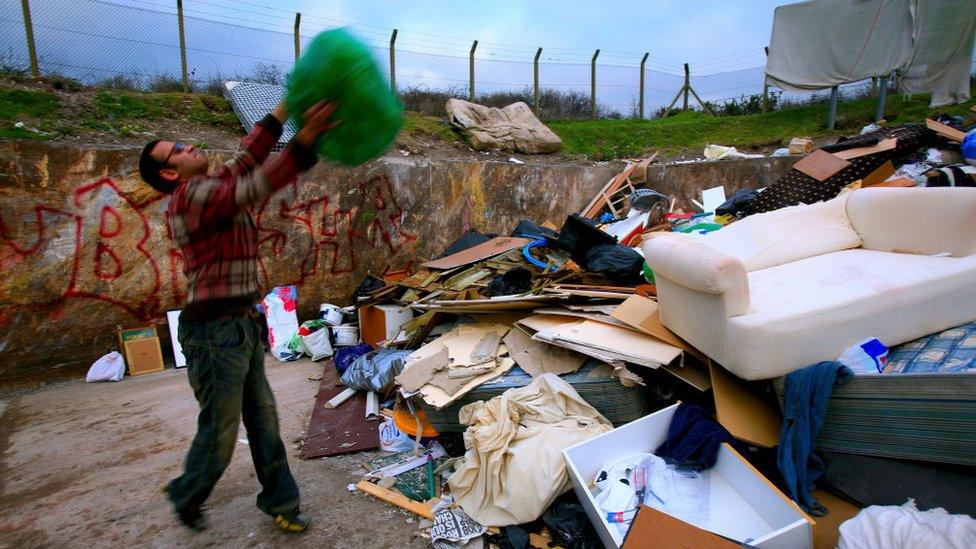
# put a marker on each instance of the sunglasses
(177, 148)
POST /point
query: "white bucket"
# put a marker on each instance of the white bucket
(345, 335)
(331, 314)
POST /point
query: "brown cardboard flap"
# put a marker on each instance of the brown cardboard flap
(747, 416)
(821, 165)
(493, 247)
(653, 529)
(643, 314)
(878, 176)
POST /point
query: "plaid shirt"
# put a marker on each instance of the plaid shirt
(209, 219)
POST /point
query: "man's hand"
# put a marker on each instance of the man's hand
(317, 121)
(281, 112)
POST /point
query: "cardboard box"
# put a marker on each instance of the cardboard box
(744, 505)
(141, 350)
(378, 323)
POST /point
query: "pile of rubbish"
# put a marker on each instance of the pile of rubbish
(642, 371)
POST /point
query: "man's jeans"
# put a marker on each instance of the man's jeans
(225, 367)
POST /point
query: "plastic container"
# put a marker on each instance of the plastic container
(345, 335)
(331, 314)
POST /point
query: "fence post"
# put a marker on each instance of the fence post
(882, 95)
(593, 85)
(298, 43)
(535, 82)
(640, 115)
(29, 30)
(474, 46)
(179, 15)
(393, 62)
(832, 113)
(765, 103)
(687, 87)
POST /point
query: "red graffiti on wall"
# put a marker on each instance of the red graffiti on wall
(101, 246)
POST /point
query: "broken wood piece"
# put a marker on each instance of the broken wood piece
(465, 372)
(340, 398)
(857, 152)
(372, 406)
(945, 130)
(438, 398)
(487, 348)
(821, 165)
(801, 145)
(466, 278)
(416, 374)
(538, 358)
(396, 498)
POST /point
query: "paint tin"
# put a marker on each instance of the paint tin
(331, 314)
(345, 335)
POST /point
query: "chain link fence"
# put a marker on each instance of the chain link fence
(137, 44)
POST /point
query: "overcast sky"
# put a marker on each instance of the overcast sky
(721, 39)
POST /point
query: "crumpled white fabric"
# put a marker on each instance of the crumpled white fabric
(904, 526)
(514, 468)
(720, 152)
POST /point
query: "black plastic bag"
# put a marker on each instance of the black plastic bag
(369, 285)
(738, 204)
(515, 281)
(579, 234)
(621, 264)
(529, 229)
(569, 527)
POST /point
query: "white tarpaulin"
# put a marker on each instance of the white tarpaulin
(823, 43)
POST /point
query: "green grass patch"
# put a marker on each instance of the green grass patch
(419, 124)
(37, 104)
(609, 139)
(114, 105)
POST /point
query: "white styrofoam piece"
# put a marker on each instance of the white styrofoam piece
(173, 321)
(713, 198)
(743, 505)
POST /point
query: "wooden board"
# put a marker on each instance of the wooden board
(857, 152)
(343, 430)
(653, 529)
(879, 175)
(493, 247)
(821, 165)
(745, 414)
(143, 356)
(944, 130)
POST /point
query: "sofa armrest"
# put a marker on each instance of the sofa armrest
(701, 268)
(916, 220)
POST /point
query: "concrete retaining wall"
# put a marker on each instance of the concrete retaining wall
(84, 245)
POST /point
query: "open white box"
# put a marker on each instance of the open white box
(744, 505)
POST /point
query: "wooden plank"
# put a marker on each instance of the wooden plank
(343, 430)
(493, 247)
(946, 131)
(821, 165)
(396, 498)
(883, 145)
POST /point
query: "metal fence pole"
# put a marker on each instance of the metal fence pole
(765, 100)
(686, 88)
(474, 46)
(298, 43)
(29, 31)
(535, 82)
(832, 114)
(882, 95)
(179, 15)
(640, 115)
(593, 85)
(393, 61)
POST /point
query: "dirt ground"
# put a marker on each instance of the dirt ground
(83, 465)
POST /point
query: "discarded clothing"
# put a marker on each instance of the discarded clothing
(569, 527)
(514, 468)
(806, 398)
(905, 527)
(693, 439)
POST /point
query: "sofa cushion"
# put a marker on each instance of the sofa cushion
(770, 239)
(811, 310)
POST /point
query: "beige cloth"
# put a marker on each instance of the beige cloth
(514, 467)
(514, 128)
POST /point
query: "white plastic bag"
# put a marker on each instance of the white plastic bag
(393, 439)
(279, 308)
(110, 367)
(317, 344)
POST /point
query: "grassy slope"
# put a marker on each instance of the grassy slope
(605, 139)
(126, 113)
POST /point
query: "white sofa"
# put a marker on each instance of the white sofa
(775, 292)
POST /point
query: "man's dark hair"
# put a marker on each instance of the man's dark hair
(149, 169)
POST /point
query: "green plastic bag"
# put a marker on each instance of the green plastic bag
(337, 67)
